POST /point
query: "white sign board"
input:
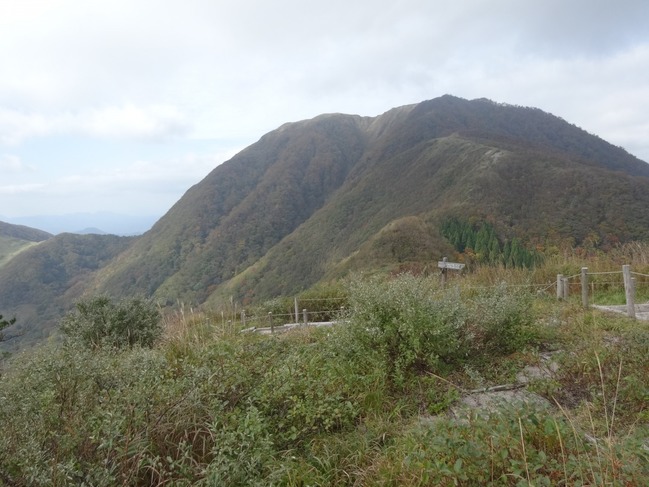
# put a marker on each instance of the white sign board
(450, 265)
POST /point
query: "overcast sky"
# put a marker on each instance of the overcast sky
(122, 105)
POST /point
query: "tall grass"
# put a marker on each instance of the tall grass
(362, 403)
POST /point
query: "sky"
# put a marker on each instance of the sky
(122, 105)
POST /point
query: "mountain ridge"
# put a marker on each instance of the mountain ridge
(316, 199)
(14, 239)
(378, 150)
(23, 232)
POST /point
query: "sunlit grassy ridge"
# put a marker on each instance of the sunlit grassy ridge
(366, 402)
(16, 238)
(10, 247)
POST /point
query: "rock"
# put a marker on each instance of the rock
(485, 403)
(545, 370)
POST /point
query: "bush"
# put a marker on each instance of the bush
(501, 320)
(410, 321)
(98, 322)
(419, 327)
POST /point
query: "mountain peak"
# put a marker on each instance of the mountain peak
(319, 198)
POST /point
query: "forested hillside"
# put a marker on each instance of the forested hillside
(317, 199)
(302, 203)
(43, 282)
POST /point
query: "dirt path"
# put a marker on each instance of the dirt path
(641, 310)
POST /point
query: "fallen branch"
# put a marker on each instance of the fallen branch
(504, 387)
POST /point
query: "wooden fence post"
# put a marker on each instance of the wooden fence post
(270, 321)
(444, 271)
(633, 297)
(243, 318)
(629, 291)
(297, 316)
(306, 321)
(565, 287)
(559, 286)
(584, 287)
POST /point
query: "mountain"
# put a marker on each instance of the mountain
(22, 232)
(112, 223)
(43, 282)
(16, 238)
(317, 199)
(91, 230)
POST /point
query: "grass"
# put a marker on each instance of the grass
(365, 403)
(10, 247)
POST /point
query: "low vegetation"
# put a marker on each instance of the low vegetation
(131, 397)
(4, 323)
(100, 323)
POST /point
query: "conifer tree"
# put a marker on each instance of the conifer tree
(482, 243)
(494, 249)
(507, 251)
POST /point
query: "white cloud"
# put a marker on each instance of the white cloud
(139, 178)
(157, 122)
(14, 189)
(16, 126)
(10, 163)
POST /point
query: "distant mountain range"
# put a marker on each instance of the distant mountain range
(101, 222)
(317, 199)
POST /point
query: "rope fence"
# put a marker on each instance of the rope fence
(605, 293)
(609, 294)
(600, 273)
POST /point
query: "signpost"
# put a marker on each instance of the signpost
(445, 266)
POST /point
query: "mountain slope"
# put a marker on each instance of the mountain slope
(23, 233)
(301, 203)
(241, 210)
(16, 238)
(316, 199)
(41, 283)
(541, 198)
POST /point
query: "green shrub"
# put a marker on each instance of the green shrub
(409, 321)
(320, 406)
(419, 327)
(242, 450)
(99, 322)
(501, 320)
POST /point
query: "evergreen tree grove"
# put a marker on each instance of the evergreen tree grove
(481, 239)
